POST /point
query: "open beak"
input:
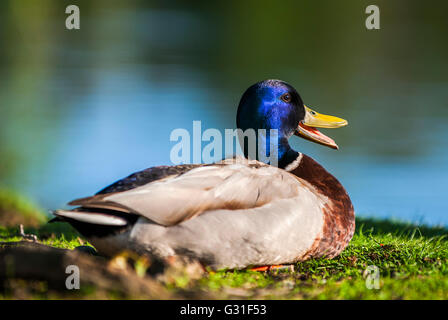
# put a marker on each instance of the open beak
(307, 127)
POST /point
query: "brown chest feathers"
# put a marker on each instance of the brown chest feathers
(338, 214)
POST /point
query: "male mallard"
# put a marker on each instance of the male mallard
(235, 213)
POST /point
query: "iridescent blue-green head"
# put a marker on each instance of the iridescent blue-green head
(276, 108)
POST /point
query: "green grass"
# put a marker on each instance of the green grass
(69, 240)
(412, 262)
(412, 265)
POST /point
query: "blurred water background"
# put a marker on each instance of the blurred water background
(81, 109)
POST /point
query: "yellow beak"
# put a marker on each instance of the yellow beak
(314, 120)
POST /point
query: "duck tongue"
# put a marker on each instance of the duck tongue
(314, 135)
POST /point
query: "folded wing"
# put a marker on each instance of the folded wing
(231, 184)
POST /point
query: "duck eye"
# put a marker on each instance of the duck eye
(286, 97)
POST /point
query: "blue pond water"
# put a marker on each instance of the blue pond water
(89, 108)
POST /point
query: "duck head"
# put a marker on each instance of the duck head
(276, 105)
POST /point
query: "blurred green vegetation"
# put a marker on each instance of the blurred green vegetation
(16, 209)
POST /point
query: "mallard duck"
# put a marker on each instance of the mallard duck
(237, 213)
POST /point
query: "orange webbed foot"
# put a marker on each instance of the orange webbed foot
(277, 267)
